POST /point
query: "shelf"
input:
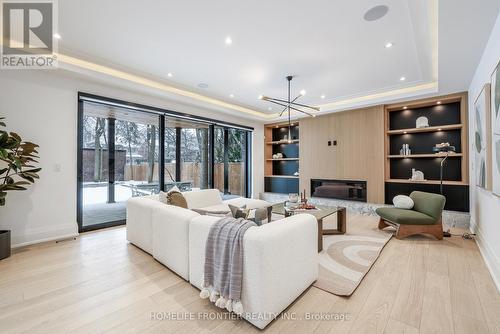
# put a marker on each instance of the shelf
(279, 142)
(427, 129)
(284, 159)
(432, 155)
(426, 182)
(283, 176)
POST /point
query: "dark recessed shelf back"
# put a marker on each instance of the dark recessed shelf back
(422, 143)
(443, 114)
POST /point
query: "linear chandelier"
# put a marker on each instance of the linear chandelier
(290, 105)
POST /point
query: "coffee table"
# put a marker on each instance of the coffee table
(320, 214)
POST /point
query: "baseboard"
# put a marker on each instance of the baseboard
(489, 257)
(39, 235)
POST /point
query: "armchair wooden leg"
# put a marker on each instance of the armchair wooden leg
(382, 224)
(435, 230)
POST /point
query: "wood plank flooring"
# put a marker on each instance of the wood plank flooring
(100, 283)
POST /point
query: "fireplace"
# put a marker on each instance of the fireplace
(339, 189)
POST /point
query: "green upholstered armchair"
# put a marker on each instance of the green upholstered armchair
(424, 218)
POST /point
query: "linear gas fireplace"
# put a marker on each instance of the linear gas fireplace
(339, 189)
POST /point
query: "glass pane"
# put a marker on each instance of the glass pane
(95, 168)
(194, 156)
(136, 154)
(170, 158)
(219, 159)
(135, 160)
(237, 143)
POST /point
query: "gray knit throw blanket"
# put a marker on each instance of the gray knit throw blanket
(223, 271)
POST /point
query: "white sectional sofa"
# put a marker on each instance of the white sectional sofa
(275, 274)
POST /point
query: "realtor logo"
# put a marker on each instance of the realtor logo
(28, 34)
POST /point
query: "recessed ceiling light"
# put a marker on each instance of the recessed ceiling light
(402, 79)
(376, 13)
(202, 85)
(169, 75)
(270, 108)
(438, 102)
(439, 129)
(322, 96)
(303, 92)
(405, 107)
(228, 40)
(388, 45)
(277, 126)
(231, 95)
(260, 97)
(57, 36)
(405, 132)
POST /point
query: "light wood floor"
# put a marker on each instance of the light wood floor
(100, 283)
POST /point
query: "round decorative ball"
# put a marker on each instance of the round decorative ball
(403, 202)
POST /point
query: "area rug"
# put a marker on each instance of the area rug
(346, 259)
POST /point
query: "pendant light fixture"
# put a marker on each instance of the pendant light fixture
(290, 104)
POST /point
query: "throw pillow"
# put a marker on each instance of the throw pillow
(204, 212)
(237, 212)
(259, 216)
(176, 198)
(162, 196)
(403, 202)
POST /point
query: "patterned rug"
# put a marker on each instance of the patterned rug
(346, 259)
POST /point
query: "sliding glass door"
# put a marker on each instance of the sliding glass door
(127, 150)
(119, 160)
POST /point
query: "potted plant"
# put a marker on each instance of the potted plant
(17, 170)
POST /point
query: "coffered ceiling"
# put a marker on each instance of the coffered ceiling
(341, 59)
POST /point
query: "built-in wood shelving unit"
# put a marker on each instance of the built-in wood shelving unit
(427, 129)
(281, 142)
(426, 182)
(279, 172)
(432, 155)
(447, 117)
(283, 159)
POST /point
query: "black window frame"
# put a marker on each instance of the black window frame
(162, 115)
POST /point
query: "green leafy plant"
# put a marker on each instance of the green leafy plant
(17, 162)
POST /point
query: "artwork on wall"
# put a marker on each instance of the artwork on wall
(495, 129)
(482, 139)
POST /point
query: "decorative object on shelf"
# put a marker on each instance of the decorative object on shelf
(285, 138)
(422, 122)
(403, 202)
(482, 139)
(19, 159)
(405, 150)
(289, 105)
(275, 156)
(495, 129)
(416, 175)
(443, 148)
(296, 173)
(279, 155)
(441, 145)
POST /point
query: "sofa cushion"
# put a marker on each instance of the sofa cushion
(402, 202)
(405, 217)
(250, 203)
(202, 198)
(217, 207)
(214, 213)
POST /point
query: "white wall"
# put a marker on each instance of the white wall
(42, 107)
(485, 207)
